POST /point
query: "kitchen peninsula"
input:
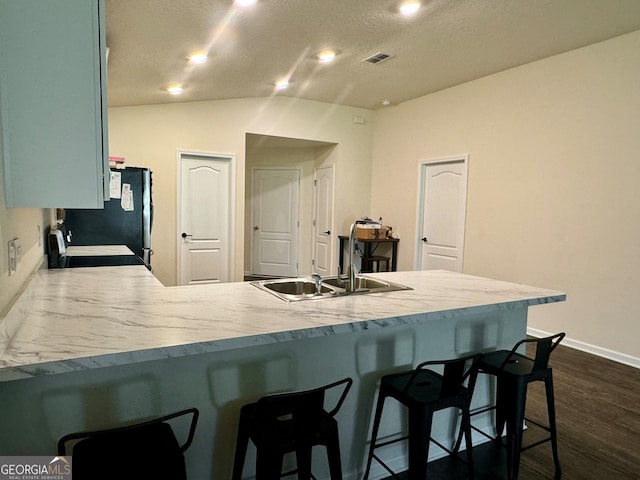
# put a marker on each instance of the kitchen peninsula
(91, 347)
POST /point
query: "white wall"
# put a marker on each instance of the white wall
(29, 226)
(151, 135)
(554, 183)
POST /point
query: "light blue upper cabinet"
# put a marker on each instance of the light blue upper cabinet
(53, 103)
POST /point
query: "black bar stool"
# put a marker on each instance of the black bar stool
(514, 371)
(147, 450)
(290, 422)
(424, 391)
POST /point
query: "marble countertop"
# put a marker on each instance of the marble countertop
(77, 319)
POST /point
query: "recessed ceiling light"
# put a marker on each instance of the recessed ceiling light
(409, 8)
(282, 84)
(245, 3)
(175, 89)
(197, 58)
(326, 56)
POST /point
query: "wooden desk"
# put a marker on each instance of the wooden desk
(369, 248)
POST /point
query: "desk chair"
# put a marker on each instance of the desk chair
(290, 422)
(381, 263)
(424, 391)
(132, 452)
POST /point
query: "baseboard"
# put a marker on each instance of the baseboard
(592, 349)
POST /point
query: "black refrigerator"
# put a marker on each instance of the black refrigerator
(126, 219)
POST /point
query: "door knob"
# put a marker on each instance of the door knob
(185, 235)
(256, 227)
(424, 239)
(328, 232)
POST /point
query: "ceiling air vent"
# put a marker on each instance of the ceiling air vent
(377, 58)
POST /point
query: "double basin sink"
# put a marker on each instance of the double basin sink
(296, 289)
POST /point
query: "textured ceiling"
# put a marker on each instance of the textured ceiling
(449, 42)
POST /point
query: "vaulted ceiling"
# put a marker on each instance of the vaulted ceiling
(448, 42)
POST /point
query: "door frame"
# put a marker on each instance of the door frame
(422, 171)
(229, 157)
(252, 209)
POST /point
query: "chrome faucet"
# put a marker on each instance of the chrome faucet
(318, 280)
(349, 282)
(351, 286)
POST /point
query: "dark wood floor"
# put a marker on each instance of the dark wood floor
(598, 421)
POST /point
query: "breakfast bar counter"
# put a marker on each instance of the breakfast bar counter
(88, 348)
(94, 317)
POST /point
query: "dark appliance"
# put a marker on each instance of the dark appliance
(119, 223)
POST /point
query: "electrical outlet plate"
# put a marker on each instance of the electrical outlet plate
(13, 257)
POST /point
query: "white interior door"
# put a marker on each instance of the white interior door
(275, 222)
(323, 221)
(205, 218)
(442, 214)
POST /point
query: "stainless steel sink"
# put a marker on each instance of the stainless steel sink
(296, 289)
(362, 283)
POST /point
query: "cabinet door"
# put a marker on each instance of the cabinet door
(53, 103)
